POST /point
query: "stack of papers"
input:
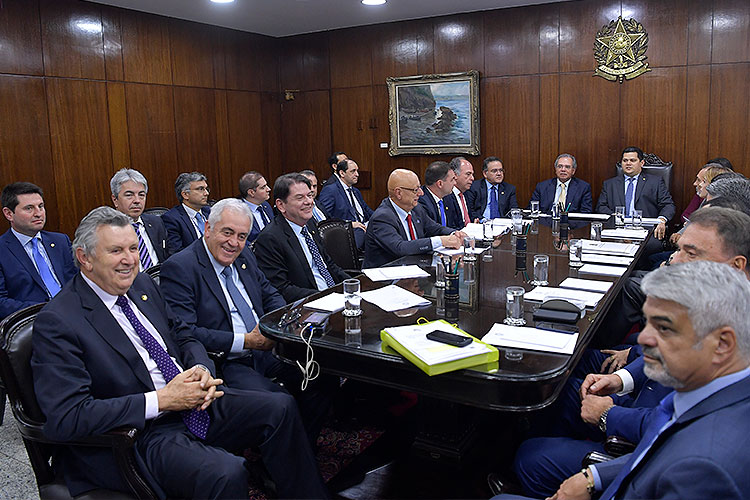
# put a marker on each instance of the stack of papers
(625, 234)
(646, 221)
(499, 226)
(542, 293)
(587, 285)
(394, 298)
(606, 259)
(610, 248)
(603, 270)
(574, 215)
(395, 273)
(460, 251)
(333, 302)
(534, 339)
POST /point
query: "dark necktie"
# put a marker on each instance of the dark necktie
(412, 235)
(264, 216)
(200, 221)
(441, 206)
(494, 210)
(629, 196)
(662, 414)
(44, 269)
(318, 214)
(354, 205)
(196, 421)
(246, 312)
(317, 259)
(142, 249)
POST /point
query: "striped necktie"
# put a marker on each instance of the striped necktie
(317, 258)
(142, 249)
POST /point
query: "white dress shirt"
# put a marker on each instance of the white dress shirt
(191, 215)
(436, 241)
(26, 244)
(320, 282)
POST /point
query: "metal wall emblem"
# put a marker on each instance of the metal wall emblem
(620, 50)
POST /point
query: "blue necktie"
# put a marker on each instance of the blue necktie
(317, 259)
(662, 415)
(246, 312)
(44, 270)
(441, 206)
(196, 421)
(200, 222)
(142, 249)
(494, 210)
(263, 216)
(629, 196)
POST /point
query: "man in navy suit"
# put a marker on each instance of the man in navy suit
(464, 179)
(186, 221)
(255, 191)
(333, 162)
(565, 188)
(290, 252)
(34, 264)
(319, 211)
(437, 200)
(129, 189)
(108, 352)
(491, 197)
(342, 199)
(635, 190)
(401, 227)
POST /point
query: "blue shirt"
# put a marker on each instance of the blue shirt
(632, 199)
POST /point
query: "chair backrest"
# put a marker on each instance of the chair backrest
(338, 239)
(154, 272)
(156, 211)
(653, 165)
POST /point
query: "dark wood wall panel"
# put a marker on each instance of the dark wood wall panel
(246, 138)
(579, 22)
(458, 43)
(700, 27)
(351, 62)
(112, 37)
(667, 29)
(549, 124)
(511, 41)
(72, 39)
(145, 48)
(729, 133)
(20, 38)
(270, 118)
(196, 133)
(304, 62)
(305, 131)
(697, 108)
(118, 125)
(731, 31)
(396, 52)
(192, 47)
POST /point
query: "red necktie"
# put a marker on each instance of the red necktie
(467, 219)
(411, 227)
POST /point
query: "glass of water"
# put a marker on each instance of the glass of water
(541, 270)
(352, 298)
(487, 230)
(575, 251)
(596, 231)
(535, 208)
(469, 246)
(637, 219)
(514, 306)
(516, 216)
(619, 216)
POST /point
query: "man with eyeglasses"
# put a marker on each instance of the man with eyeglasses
(400, 226)
(186, 221)
(491, 197)
(564, 189)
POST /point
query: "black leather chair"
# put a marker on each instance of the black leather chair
(156, 211)
(15, 368)
(653, 165)
(154, 272)
(338, 238)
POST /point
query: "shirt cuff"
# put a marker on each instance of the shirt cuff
(436, 242)
(596, 478)
(238, 343)
(627, 381)
(662, 218)
(152, 405)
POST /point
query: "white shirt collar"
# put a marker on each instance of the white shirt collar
(295, 227)
(107, 298)
(434, 196)
(346, 186)
(191, 213)
(23, 239)
(566, 183)
(253, 206)
(400, 211)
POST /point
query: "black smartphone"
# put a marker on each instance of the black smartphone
(449, 338)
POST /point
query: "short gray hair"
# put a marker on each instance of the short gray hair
(85, 237)
(228, 204)
(455, 164)
(183, 182)
(733, 188)
(567, 155)
(124, 175)
(713, 293)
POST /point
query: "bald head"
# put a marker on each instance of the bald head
(403, 188)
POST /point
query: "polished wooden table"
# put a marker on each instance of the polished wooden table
(525, 380)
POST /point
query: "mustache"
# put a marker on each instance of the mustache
(652, 352)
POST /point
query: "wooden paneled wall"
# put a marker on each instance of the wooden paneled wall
(87, 89)
(538, 96)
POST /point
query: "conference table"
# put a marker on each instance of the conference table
(522, 380)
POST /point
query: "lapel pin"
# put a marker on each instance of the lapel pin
(144, 297)
(52, 245)
(503, 192)
(244, 266)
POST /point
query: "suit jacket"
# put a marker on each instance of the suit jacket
(578, 196)
(255, 230)
(20, 282)
(192, 290)
(336, 202)
(651, 196)
(476, 198)
(386, 240)
(282, 260)
(180, 230)
(157, 233)
(89, 379)
(701, 455)
(453, 217)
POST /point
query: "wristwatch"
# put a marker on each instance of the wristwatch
(603, 420)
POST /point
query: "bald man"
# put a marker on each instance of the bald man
(400, 227)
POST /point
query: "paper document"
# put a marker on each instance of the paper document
(395, 273)
(333, 302)
(610, 248)
(414, 338)
(587, 285)
(603, 270)
(574, 215)
(535, 339)
(625, 234)
(393, 298)
(460, 251)
(499, 226)
(606, 259)
(646, 221)
(542, 293)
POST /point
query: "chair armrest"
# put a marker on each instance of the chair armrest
(616, 446)
(595, 457)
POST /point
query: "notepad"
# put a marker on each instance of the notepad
(625, 234)
(394, 298)
(534, 339)
(542, 293)
(587, 285)
(395, 273)
(333, 302)
(460, 251)
(606, 259)
(603, 270)
(574, 215)
(610, 248)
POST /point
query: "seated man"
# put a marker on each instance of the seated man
(289, 251)
(636, 190)
(569, 191)
(255, 191)
(129, 189)
(464, 178)
(185, 222)
(437, 200)
(491, 197)
(34, 264)
(401, 227)
(344, 201)
(107, 352)
(319, 211)
(333, 162)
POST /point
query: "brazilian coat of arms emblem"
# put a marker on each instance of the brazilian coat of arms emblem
(620, 50)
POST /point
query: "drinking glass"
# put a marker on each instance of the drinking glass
(535, 209)
(596, 231)
(575, 250)
(514, 306)
(541, 270)
(352, 298)
(619, 216)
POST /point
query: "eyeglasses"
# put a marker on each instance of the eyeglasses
(413, 190)
(202, 189)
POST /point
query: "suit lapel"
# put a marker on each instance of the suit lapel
(250, 283)
(642, 180)
(351, 209)
(294, 243)
(187, 222)
(14, 247)
(208, 275)
(619, 194)
(158, 244)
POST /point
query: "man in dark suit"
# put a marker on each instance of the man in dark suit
(464, 179)
(342, 199)
(129, 189)
(255, 191)
(108, 352)
(437, 200)
(186, 221)
(635, 190)
(333, 162)
(34, 264)
(289, 251)
(319, 211)
(401, 227)
(491, 197)
(571, 192)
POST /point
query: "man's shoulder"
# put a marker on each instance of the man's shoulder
(274, 230)
(580, 182)
(152, 219)
(477, 185)
(383, 212)
(174, 213)
(188, 256)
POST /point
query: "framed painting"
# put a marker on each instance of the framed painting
(434, 114)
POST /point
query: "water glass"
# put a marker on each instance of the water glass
(575, 250)
(440, 273)
(535, 209)
(514, 306)
(470, 271)
(619, 216)
(352, 298)
(487, 230)
(637, 219)
(596, 231)
(516, 216)
(541, 270)
(555, 211)
(469, 247)
(353, 331)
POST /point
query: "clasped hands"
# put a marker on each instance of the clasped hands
(453, 240)
(194, 388)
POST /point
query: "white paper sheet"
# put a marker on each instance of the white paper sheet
(606, 259)
(393, 298)
(587, 285)
(535, 339)
(542, 293)
(574, 215)
(647, 221)
(610, 248)
(395, 273)
(333, 302)
(625, 234)
(499, 226)
(414, 338)
(603, 270)
(460, 251)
